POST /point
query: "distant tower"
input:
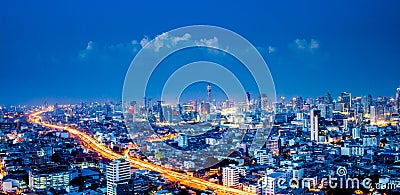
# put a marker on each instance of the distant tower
(248, 102)
(346, 99)
(314, 124)
(160, 111)
(248, 98)
(209, 92)
(398, 99)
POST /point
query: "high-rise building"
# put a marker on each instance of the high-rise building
(160, 111)
(205, 108)
(328, 99)
(264, 102)
(209, 93)
(314, 125)
(297, 103)
(373, 117)
(167, 112)
(346, 99)
(194, 104)
(398, 99)
(118, 173)
(230, 176)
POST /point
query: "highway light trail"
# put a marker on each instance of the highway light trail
(98, 147)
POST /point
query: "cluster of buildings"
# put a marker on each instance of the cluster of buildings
(39, 160)
(325, 145)
(349, 144)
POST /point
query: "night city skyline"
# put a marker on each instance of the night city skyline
(199, 98)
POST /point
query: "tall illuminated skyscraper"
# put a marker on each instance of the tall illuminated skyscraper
(346, 99)
(314, 124)
(373, 117)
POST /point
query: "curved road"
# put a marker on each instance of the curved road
(95, 146)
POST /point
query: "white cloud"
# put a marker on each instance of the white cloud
(314, 44)
(159, 41)
(144, 42)
(271, 49)
(301, 43)
(85, 52)
(101, 51)
(90, 45)
(304, 44)
(185, 37)
(164, 40)
(213, 42)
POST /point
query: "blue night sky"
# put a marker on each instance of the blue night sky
(81, 50)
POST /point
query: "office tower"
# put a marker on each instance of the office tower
(264, 102)
(373, 117)
(366, 102)
(346, 99)
(314, 124)
(328, 99)
(248, 100)
(398, 99)
(131, 109)
(323, 109)
(118, 173)
(380, 113)
(230, 176)
(194, 104)
(209, 93)
(297, 102)
(205, 108)
(248, 97)
(329, 111)
(167, 112)
(160, 112)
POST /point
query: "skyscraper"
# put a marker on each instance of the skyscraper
(160, 111)
(346, 99)
(118, 173)
(209, 93)
(264, 102)
(372, 117)
(314, 125)
(398, 99)
(205, 108)
(328, 99)
(230, 176)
